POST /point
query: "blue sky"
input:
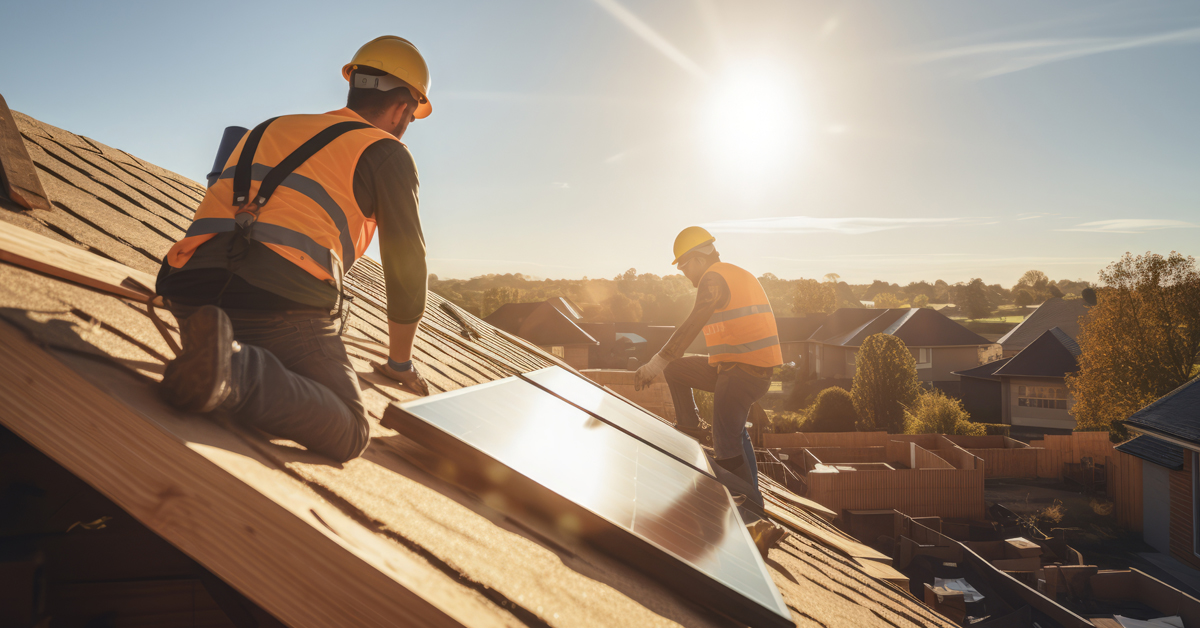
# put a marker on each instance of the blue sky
(877, 140)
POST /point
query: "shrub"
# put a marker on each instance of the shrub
(805, 392)
(885, 383)
(787, 422)
(833, 411)
(935, 413)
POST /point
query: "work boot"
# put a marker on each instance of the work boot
(198, 379)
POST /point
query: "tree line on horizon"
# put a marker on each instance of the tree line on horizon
(667, 299)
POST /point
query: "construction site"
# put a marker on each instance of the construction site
(247, 399)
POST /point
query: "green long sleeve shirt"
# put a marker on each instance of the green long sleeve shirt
(231, 272)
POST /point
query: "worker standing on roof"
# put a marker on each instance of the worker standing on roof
(743, 350)
(257, 278)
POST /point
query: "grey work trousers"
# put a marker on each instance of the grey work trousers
(734, 391)
(293, 379)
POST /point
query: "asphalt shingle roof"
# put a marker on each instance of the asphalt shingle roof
(1151, 449)
(917, 327)
(1053, 354)
(1175, 414)
(1061, 313)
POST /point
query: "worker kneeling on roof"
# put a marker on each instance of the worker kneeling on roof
(743, 350)
(257, 278)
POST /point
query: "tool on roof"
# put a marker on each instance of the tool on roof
(468, 330)
(18, 176)
(399, 58)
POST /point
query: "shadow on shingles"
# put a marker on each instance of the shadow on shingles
(781, 569)
(60, 329)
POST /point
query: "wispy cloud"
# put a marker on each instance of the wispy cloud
(1004, 57)
(808, 224)
(1131, 225)
(651, 36)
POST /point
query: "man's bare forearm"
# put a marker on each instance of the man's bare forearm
(401, 340)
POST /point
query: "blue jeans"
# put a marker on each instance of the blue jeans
(293, 379)
(735, 391)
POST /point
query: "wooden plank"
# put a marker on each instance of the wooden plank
(17, 172)
(268, 547)
(36, 252)
(839, 542)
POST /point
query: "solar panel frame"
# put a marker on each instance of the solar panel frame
(636, 421)
(490, 476)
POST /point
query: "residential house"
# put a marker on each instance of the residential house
(939, 345)
(119, 510)
(552, 325)
(1028, 390)
(794, 333)
(1057, 312)
(1169, 440)
(619, 343)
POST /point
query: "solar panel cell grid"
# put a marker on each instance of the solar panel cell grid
(680, 512)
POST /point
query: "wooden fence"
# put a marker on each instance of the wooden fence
(947, 493)
(1125, 489)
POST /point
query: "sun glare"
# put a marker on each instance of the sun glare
(754, 120)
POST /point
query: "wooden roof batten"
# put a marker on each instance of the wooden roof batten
(377, 541)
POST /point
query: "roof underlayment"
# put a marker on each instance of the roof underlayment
(377, 541)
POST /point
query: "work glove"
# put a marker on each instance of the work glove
(650, 372)
(405, 373)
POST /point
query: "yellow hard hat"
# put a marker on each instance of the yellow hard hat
(399, 58)
(689, 239)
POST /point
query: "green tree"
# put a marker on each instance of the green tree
(920, 301)
(1140, 341)
(813, 297)
(1023, 299)
(935, 413)
(885, 300)
(885, 383)
(971, 299)
(833, 411)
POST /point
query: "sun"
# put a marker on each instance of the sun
(753, 120)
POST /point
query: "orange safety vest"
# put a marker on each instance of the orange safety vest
(744, 330)
(290, 185)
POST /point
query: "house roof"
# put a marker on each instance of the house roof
(1053, 354)
(1174, 415)
(798, 328)
(1056, 312)
(984, 371)
(1151, 449)
(401, 544)
(544, 324)
(917, 327)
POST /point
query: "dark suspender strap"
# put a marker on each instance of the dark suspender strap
(241, 176)
(301, 155)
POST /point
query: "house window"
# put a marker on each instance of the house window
(1054, 397)
(559, 352)
(924, 358)
(816, 359)
(851, 356)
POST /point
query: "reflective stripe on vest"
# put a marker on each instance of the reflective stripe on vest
(312, 217)
(744, 331)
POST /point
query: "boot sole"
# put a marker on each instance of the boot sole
(198, 379)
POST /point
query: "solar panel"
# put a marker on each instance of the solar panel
(621, 414)
(520, 447)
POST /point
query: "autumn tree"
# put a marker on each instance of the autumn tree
(813, 297)
(920, 301)
(833, 411)
(1140, 341)
(885, 383)
(971, 299)
(935, 413)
